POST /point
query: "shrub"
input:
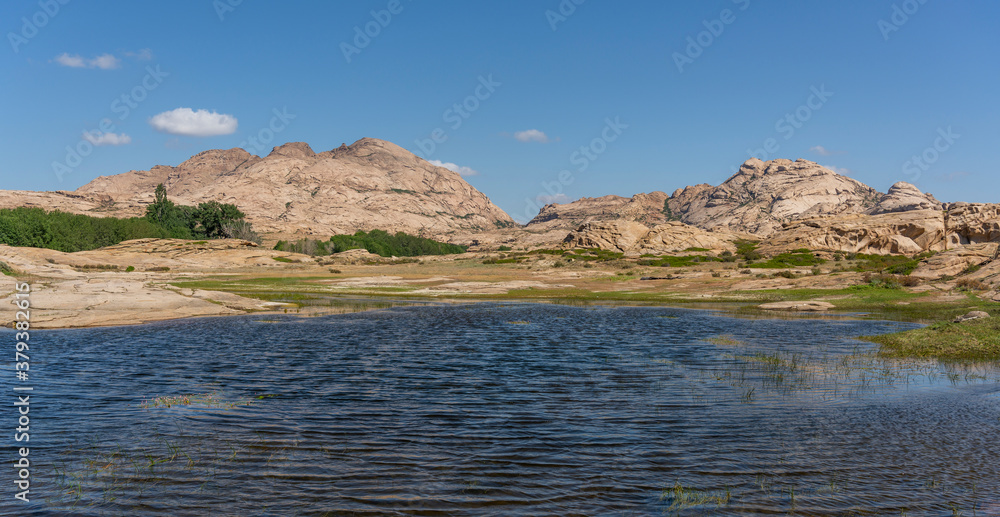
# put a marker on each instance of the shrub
(794, 258)
(335, 271)
(716, 274)
(65, 232)
(504, 248)
(968, 284)
(971, 269)
(130, 269)
(6, 269)
(240, 229)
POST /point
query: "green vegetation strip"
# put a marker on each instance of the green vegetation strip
(976, 340)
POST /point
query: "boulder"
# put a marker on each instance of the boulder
(806, 306)
(974, 315)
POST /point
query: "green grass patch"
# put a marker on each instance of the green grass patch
(677, 261)
(795, 258)
(976, 340)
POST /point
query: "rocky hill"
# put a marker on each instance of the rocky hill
(370, 184)
(762, 196)
(758, 199)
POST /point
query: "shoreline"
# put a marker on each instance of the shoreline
(146, 281)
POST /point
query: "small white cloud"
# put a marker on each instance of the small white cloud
(462, 171)
(531, 135)
(823, 151)
(65, 59)
(142, 55)
(98, 138)
(558, 198)
(188, 122)
(839, 170)
(103, 61)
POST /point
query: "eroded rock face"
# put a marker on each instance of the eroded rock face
(763, 195)
(608, 235)
(647, 209)
(954, 261)
(370, 184)
(634, 239)
(892, 233)
(904, 197)
(677, 236)
(973, 222)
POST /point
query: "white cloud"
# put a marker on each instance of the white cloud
(531, 135)
(462, 171)
(103, 61)
(99, 138)
(558, 198)
(187, 122)
(839, 170)
(823, 151)
(65, 59)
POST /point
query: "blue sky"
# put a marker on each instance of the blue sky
(861, 85)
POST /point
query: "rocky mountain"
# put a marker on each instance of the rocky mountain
(758, 199)
(762, 196)
(370, 184)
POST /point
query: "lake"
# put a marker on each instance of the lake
(504, 409)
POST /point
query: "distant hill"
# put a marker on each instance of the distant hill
(370, 184)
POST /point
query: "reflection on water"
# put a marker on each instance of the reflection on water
(512, 409)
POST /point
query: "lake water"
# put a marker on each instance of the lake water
(503, 409)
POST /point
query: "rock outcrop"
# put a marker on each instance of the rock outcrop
(647, 209)
(891, 233)
(972, 222)
(635, 239)
(904, 197)
(618, 235)
(677, 236)
(955, 261)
